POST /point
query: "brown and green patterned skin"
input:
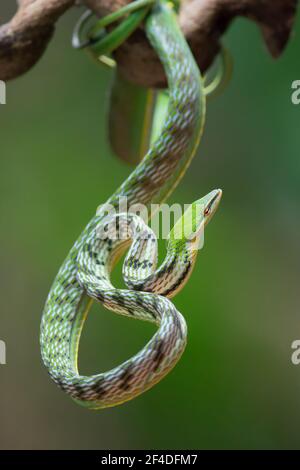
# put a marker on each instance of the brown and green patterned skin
(152, 181)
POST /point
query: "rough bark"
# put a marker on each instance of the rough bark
(24, 39)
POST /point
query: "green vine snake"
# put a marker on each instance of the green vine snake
(84, 276)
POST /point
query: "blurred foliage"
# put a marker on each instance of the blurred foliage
(235, 386)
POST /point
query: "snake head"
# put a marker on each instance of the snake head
(208, 205)
(190, 227)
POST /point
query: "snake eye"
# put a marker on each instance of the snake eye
(207, 211)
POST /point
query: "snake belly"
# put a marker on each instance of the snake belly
(152, 181)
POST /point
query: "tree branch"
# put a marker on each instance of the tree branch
(24, 39)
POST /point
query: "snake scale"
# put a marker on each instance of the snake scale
(85, 273)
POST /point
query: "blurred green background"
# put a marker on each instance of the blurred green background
(235, 386)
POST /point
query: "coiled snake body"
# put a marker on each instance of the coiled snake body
(85, 274)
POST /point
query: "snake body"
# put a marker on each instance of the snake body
(85, 274)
